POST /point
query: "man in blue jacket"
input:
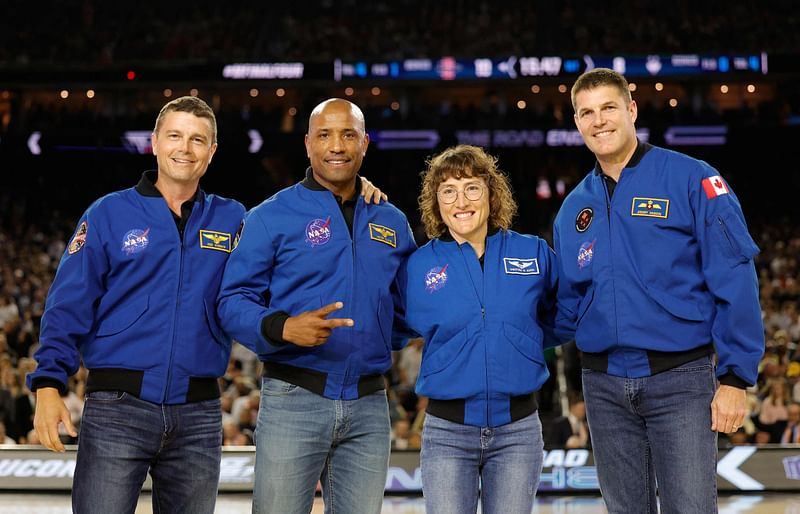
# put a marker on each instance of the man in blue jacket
(308, 252)
(656, 275)
(134, 296)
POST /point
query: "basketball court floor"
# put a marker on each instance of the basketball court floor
(59, 503)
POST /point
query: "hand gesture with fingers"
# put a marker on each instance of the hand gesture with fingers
(312, 328)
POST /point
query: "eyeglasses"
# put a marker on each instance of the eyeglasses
(449, 194)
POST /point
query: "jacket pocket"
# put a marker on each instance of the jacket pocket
(733, 239)
(583, 307)
(529, 347)
(684, 309)
(443, 354)
(122, 319)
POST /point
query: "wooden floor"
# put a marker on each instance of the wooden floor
(45, 503)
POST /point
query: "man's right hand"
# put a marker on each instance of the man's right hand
(311, 328)
(50, 411)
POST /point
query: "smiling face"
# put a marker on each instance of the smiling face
(467, 220)
(605, 119)
(336, 144)
(183, 146)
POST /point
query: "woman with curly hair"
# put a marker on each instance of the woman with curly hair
(481, 296)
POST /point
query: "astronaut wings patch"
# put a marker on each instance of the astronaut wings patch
(515, 266)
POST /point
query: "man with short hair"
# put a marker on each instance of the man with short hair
(655, 274)
(134, 297)
(309, 252)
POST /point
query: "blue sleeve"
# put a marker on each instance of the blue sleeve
(71, 305)
(547, 306)
(241, 304)
(727, 253)
(401, 332)
(567, 297)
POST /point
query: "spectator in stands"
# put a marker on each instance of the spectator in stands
(4, 438)
(773, 412)
(571, 431)
(791, 434)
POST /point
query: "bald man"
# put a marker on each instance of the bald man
(309, 288)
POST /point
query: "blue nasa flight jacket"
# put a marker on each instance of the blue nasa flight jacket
(659, 273)
(137, 302)
(484, 329)
(297, 254)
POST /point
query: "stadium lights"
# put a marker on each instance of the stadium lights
(631, 86)
(562, 88)
(659, 86)
(348, 91)
(395, 106)
(292, 111)
(64, 93)
(673, 102)
(194, 91)
(376, 91)
(253, 93)
(167, 92)
(280, 92)
(723, 89)
(751, 88)
(521, 104)
(90, 93)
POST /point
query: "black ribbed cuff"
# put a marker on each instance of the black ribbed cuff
(272, 328)
(40, 382)
(730, 379)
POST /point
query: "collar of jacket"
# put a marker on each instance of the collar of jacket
(147, 186)
(636, 158)
(311, 183)
(447, 237)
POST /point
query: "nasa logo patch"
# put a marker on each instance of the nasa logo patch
(135, 241)
(436, 278)
(586, 254)
(318, 231)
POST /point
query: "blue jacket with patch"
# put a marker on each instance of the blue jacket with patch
(660, 272)
(137, 302)
(484, 329)
(296, 254)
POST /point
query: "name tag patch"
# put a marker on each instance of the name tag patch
(650, 207)
(383, 234)
(215, 240)
(514, 266)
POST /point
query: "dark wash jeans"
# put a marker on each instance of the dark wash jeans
(654, 434)
(122, 437)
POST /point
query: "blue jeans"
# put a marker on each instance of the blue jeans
(122, 437)
(654, 429)
(303, 438)
(506, 461)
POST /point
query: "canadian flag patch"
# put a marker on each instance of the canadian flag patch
(714, 186)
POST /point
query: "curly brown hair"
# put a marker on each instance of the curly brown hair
(460, 162)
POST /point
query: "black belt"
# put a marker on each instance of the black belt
(130, 381)
(454, 410)
(315, 381)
